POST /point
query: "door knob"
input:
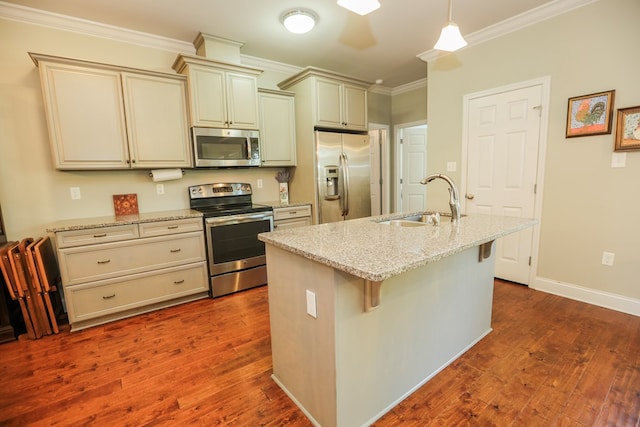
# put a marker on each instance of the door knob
(469, 196)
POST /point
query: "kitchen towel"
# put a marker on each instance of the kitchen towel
(165, 174)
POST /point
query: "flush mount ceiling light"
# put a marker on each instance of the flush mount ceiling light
(361, 7)
(299, 21)
(450, 38)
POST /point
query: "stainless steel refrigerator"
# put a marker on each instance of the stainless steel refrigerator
(343, 176)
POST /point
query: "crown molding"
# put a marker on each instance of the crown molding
(67, 23)
(518, 22)
(408, 87)
(267, 64)
(380, 90)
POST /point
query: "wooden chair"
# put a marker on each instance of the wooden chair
(15, 291)
(48, 272)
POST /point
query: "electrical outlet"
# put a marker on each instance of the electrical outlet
(311, 304)
(75, 193)
(607, 258)
(259, 183)
(160, 189)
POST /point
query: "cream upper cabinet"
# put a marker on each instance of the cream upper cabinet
(103, 117)
(221, 95)
(340, 105)
(157, 122)
(331, 100)
(277, 128)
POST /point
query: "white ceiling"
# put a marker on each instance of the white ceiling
(382, 45)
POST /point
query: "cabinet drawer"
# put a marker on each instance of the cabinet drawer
(91, 236)
(291, 212)
(97, 262)
(286, 224)
(114, 295)
(162, 228)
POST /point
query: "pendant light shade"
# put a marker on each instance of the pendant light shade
(361, 7)
(450, 38)
(299, 21)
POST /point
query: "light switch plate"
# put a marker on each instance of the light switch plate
(452, 166)
(160, 189)
(311, 304)
(618, 160)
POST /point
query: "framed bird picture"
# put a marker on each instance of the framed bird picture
(590, 114)
(628, 129)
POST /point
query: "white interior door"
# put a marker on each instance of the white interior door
(413, 169)
(503, 133)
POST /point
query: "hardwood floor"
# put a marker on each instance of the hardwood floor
(549, 361)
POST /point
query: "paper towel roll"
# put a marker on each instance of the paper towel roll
(165, 174)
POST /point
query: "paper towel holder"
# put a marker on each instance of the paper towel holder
(151, 173)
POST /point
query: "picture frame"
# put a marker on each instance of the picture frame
(590, 114)
(628, 129)
(125, 204)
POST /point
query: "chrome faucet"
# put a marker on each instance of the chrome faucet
(454, 200)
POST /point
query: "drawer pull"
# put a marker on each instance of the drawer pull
(106, 261)
(109, 296)
(293, 212)
(178, 282)
(173, 251)
(100, 235)
(172, 227)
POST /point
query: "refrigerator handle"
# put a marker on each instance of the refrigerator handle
(345, 171)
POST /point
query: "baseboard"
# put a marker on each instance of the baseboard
(590, 296)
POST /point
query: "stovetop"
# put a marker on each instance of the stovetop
(222, 199)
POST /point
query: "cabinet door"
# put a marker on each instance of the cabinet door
(242, 100)
(355, 107)
(85, 116)
(208, 97)
(328, 103)
(277, 130)
(157, 122)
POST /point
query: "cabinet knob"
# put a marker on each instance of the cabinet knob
(469, 196)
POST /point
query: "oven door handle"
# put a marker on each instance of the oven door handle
(223, 220)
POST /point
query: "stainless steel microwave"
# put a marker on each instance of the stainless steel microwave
(222, 148)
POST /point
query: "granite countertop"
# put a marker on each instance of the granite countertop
(277, 204)
(109, 221)
(376, 252)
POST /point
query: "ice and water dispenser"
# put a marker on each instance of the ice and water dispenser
(331, 182)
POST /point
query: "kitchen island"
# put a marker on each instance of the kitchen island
(364, 312)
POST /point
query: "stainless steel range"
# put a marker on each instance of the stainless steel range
(232, 222)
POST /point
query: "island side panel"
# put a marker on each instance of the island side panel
(427, 317)
(303, 347)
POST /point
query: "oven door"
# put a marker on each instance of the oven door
(232, 241)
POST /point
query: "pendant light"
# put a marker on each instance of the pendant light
(450, 38)
(361, 7)
(299, 21)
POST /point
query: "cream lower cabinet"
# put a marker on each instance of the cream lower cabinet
(291, 217)
(101, 116)
(110, 273)
(277, 128)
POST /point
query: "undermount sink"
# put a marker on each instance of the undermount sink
(418, 220)
(404, 223)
